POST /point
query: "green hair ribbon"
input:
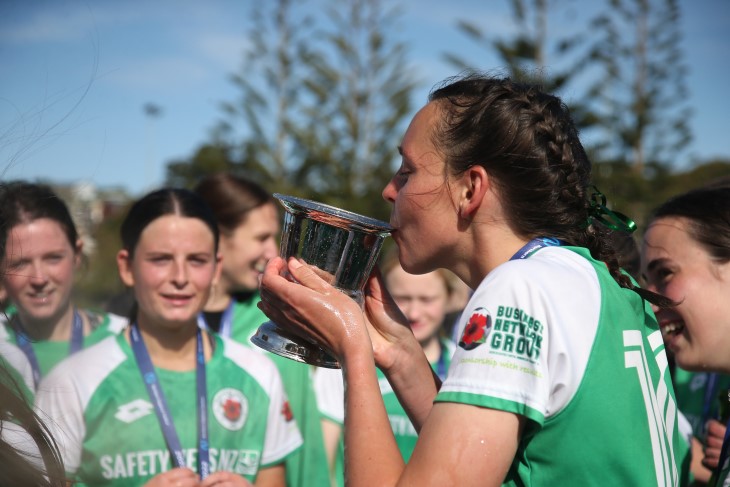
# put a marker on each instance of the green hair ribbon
(611, 219)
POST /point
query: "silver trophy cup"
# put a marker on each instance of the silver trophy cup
(343, 246)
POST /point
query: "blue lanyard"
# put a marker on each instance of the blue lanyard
(534, 245)
(710, 399)
(441, 364)
(226, 321)
(75, 344)
(163, 413)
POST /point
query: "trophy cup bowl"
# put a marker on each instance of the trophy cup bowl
(342, 246)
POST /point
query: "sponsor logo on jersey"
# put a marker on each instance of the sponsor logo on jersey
(132, 411)
(138, 465)
(516, 334)
(286, 411)
(476, 330)
(230, 408)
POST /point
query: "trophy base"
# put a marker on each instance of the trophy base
(273, 339)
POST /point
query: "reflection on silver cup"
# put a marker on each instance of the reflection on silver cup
(342, 246)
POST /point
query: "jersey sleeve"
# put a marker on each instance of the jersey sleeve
(523, 342)
(59, 405)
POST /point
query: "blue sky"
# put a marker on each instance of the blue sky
(75, 76)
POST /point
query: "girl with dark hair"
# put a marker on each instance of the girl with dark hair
(248, 221)
(559, 376)
(42, 254)
(28, 453)
(166, 402)
(685, 256)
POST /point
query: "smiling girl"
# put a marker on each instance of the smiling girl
(167, 403)
(42, 255)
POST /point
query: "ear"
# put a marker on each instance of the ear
(218, 268)
(124, 263)
(78, 249)
(474, 187)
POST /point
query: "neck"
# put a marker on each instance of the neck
(218, 299)
(56, 328)
(494, 250)
(171, 348)
(432, 348)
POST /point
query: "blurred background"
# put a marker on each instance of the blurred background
(107, 100)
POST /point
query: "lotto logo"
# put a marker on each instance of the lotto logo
(132, 411)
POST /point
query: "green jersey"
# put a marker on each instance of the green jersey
(699, 395)
(308, 466)
(555, 339)
(51, 352)
(109, 434)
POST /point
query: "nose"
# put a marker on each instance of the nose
(179, 275)
(38, 276)
(271, 249)
(389, 191)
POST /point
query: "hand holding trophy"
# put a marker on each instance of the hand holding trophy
(341, 246)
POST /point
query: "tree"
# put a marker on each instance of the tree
(640, 93)
(527, 55)
(359, 98)
(255, 136)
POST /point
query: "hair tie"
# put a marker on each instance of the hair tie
(612, 219)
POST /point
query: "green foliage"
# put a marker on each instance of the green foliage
(641, 93)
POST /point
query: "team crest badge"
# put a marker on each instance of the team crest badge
(230, 408)
(476, 330)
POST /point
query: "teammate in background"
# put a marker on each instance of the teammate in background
(166, 402)
(560, 359)
(248, 221)
(424, 300)
(42, 254)
(686, 257)
(28, 453)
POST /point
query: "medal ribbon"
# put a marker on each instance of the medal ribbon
(75, 344)
(154, 390)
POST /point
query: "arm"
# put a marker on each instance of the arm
(451, 434)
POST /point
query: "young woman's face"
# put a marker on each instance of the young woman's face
(247, 250)
(422, 298)
(171, 272)
(697, 330)
(423, 213)
(39, 265)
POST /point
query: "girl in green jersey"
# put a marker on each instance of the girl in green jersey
(248, 220)
(686, 256)
(166, 402)
(41, 258)
(559, 376)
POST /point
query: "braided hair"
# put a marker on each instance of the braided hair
(527, 141)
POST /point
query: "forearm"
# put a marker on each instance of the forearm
(371, 453)
(414, 383)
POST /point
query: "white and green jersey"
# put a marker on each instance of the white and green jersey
(555, 339)
(100, 414)
(51, 352)
(18, 373)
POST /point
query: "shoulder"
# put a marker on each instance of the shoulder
(108, 323)
(553, 275)
(254, 363)
(74, 372)
(14, 357)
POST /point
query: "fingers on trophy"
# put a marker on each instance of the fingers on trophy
(342, 247)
